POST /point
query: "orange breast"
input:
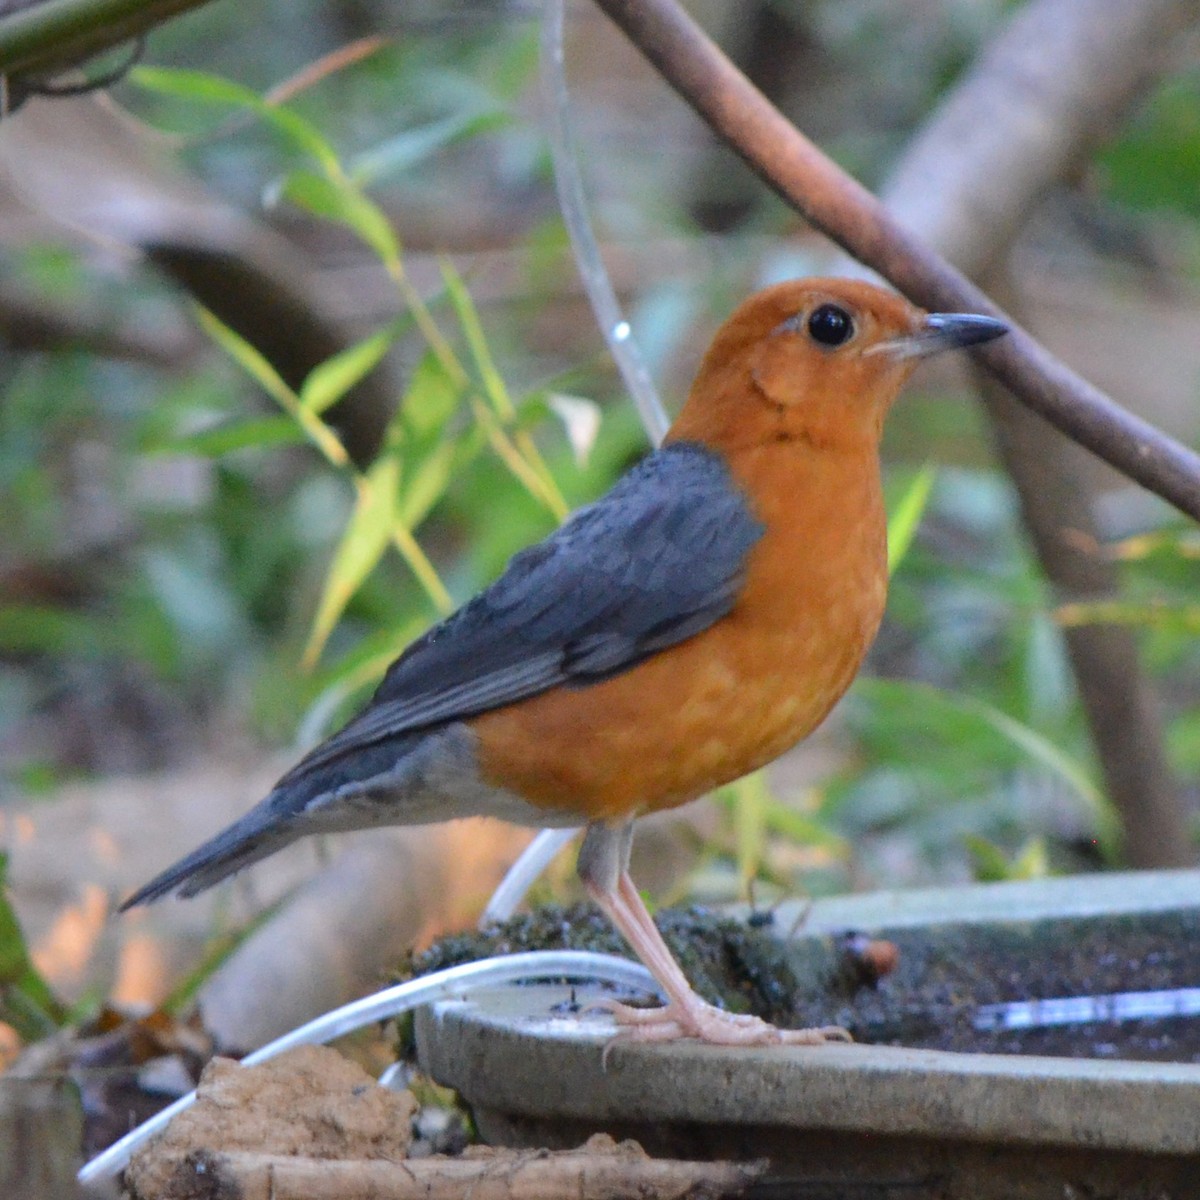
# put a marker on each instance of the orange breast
(735, 696)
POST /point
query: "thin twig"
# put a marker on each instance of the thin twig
(845, 211)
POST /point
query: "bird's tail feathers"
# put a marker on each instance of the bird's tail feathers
(258, 834)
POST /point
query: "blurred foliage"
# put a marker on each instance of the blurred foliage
(456, 406)
(26, 1001)
(1155, 165)
(177, 554)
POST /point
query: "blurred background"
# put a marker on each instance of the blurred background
(212, 544)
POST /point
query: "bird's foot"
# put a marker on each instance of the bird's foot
(713, 1025)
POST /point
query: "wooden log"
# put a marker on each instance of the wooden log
(600, 1170)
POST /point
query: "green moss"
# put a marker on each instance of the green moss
(726, 961)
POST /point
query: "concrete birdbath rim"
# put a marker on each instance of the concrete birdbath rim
(514, 1057)
(1023, 900)
(502, 1052)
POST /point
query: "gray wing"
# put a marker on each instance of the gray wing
(655, 561)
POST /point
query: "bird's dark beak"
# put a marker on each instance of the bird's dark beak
(945, 331)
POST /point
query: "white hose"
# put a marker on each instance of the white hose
(520, 877)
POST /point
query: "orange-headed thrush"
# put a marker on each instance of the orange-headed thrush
(686, 628)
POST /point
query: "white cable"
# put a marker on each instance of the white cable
(573, 201)
(520, 877)
(392, 1002)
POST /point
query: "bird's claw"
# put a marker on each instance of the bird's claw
(710, 1024)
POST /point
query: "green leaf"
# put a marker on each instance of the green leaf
(1032, 862)
(430, 401)
(248, 357)
(468, 318)
(418, 431)
(194, 85)
(43, 629)
(1183, 741)
(211, 89)
(27, 1002)
(363, 666)
(906, 515)
(366, 536)
(748, 800)
(337, 199)
(329, 381)
(1155, 164)
(217, 951)
(258, 368)
(427, 478)
(255, 433)
(309, 190)
(1174, 543)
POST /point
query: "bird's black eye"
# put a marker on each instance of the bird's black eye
(830, 325)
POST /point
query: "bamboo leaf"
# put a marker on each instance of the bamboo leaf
(211, 89)
(992, 865)
(248, 357)
(194, 85)
(366, 536)
(45, 629)
(426, 479)
(905, 517)
(468, 318)
(1172, 542)
(362, 666)
(256, 433)
(1175, 618)
(749, 799)
(805, 830)
(430, 401)
(259, 369)
(335, 199)
(418, 562)
(418, 431)
(329, 381)
(26, 1000)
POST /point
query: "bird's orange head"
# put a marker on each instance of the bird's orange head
(815, 361)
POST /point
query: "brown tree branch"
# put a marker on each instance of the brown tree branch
(51, 35)
(846, 212)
